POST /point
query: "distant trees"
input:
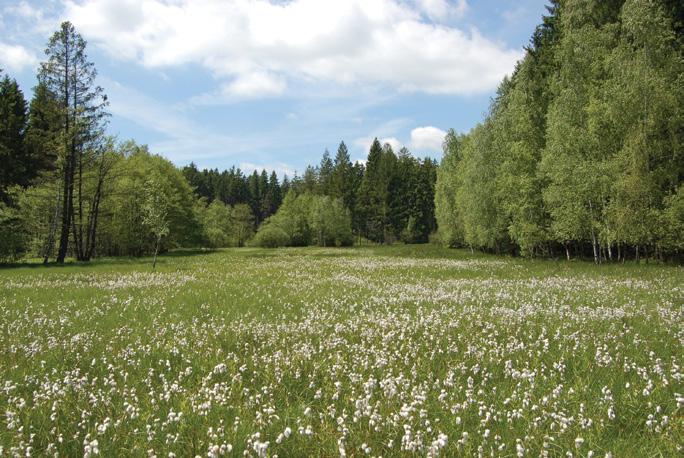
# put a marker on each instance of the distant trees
(389, 199)
(395, 198)
(307, 219)
(216, 222)
(581, 151)
(243, 224)
(261, 191)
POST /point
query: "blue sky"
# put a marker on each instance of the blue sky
(272, 84)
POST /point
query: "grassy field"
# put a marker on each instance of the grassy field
(341, 352)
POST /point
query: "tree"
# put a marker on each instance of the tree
(243, 223)
(42, 131)
(307, 219)
(122, 231)
(15, 168)
(272, 196)
(155, 214)
(374, 193)
(330, 222)
(342, 182)
(448, 213)
(217, 224)
(325, 174)
(13, 233)
(81, 105)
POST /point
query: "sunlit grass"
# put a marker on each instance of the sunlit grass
(322, 352)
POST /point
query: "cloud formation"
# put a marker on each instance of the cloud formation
(427, 138)
(259, 47)
(16, 57)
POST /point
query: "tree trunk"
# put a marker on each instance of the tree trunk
(68, 168)
(94, 213)
(79, 246)
(567, 251)
(67, 210)
(594, 247)
(156, 250)
(50, 242)
(636, 253)
(618, 252)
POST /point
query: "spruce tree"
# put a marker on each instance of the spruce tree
(15, 168)
(81, 105)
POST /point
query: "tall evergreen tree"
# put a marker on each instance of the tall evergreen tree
(15, 168)
(374, 193)
(42, 130)
(69, 75)
(342, 178)
(325, 174)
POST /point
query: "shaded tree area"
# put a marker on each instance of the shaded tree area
(390, 198)
(262, 192)
(581, 151)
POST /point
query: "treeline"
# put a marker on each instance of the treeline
(68, 189)
(389, 198)
(582, 151)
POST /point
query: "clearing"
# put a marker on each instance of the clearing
(326, 352)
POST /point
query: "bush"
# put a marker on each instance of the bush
(271, 236)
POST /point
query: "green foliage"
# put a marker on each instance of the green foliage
(330, 222)
(582, 148)
(14, 165)
(155, 208)
(124, 232)
(13, 234)
(271, 236)
(672, 222)
(217, 224)
(307, 219)
(243, 223)
(449, 214)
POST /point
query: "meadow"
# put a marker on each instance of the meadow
(376, 351)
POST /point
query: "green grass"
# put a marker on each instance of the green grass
(384, 346)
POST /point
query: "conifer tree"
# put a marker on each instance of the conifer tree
(15, 167)
(81, 105)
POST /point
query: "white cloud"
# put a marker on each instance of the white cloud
(16, 57)
(255, 47)
(393, 142)
(256, 84)
(427, 138)
(442, 9)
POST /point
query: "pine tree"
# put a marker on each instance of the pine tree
(374, 193)
(15, 168)
(69, 75)
(342, 179)
(42, 131)
(325, 174)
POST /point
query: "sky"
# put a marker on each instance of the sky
(273, 84)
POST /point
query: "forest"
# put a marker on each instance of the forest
(582, 150)
(580, 155)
